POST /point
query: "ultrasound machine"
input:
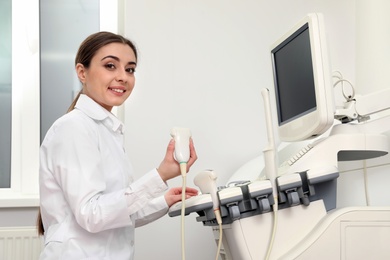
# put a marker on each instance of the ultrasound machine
(282, 205)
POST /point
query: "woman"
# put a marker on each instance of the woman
(89, 202)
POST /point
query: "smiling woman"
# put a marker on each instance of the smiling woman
(88, 192)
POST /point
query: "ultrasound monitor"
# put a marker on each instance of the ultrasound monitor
(302, 81)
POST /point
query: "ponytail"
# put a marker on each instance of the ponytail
(40, 228)
(71, 107)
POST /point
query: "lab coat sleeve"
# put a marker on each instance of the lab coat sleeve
(155, 209)
(74, 159)
(149, 207)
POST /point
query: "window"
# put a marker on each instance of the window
(23, 113)
(5, 92)
(21, 95)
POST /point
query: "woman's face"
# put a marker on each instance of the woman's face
(109, 79)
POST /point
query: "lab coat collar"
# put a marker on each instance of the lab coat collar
(97, 112)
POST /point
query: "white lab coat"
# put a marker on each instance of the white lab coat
(89, 202)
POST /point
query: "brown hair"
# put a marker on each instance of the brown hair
(85, 53)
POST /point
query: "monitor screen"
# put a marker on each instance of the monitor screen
(294, 77)
(302, 81)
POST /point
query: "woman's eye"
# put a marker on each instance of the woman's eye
(110, 66)
(130, 70)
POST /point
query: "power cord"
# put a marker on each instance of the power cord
(341, 80)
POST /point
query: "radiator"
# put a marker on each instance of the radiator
(20, 243)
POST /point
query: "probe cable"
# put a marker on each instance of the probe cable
(183, 170)
(219, 220)
(272, 239)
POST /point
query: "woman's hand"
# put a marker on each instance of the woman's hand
(174, 194)
(169, 167)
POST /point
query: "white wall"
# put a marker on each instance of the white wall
(202, 65)
(372, 42)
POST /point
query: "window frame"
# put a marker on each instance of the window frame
(25, 139)
(23, 191)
